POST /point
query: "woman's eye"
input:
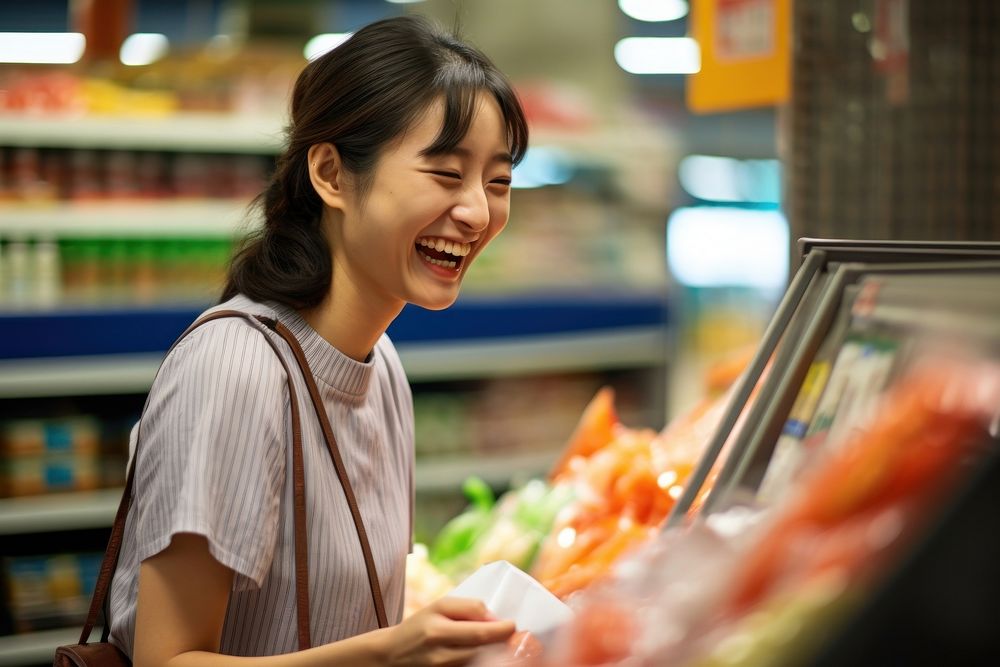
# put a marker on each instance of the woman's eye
(448, 174)
(505, 182)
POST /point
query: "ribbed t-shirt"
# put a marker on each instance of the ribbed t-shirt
(215, 460)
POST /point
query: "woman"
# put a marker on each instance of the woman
(396, 176)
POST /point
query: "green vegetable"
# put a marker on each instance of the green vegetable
(459, 535)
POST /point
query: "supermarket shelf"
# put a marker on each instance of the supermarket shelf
(96, 509)
(78, 376)
(35, 647)
(633, 348)
(33, 334)
(133, 373)
(235, 133)
(59, 511)
(199, 132)
(137, 219)
(448, 475)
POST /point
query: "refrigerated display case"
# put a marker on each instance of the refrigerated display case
(805, 313)
(849, 515)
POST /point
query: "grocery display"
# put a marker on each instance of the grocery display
(886, 432)
(72, 272)
(37, 176)
(50, 591)
(606, 495)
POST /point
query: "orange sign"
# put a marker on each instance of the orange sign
(745, 49)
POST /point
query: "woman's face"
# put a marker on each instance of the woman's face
(426, 218)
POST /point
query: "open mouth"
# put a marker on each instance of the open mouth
(448, 255)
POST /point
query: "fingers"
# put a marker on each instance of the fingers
(463, 609)
(474, 633)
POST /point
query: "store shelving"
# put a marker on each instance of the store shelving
(595, 323)
(242, 133)
(635, 347)
(498, 472)
(126, 219)
(194, 132)
(532, 335)
(63, 511)
(96, 509)
(640, 347)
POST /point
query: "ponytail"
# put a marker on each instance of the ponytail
(288, 259)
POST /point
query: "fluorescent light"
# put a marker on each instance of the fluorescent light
(658, 55)
(726, 179)
(48, 48)
(714, 246)
(320, 44)
(654, 10)
(143, 48)
(404, 2)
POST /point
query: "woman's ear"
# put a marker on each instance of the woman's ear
(326, 172)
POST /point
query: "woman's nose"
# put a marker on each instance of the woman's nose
(473, 210)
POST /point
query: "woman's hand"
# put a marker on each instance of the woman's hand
(447, 632)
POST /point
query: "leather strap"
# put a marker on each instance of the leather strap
(111, 554)
(338, 464)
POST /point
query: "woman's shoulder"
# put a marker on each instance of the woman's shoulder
(234, 347)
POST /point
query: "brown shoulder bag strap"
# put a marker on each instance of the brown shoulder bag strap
(338, 464)
(113, 550)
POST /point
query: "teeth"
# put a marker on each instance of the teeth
(444, 245)
(439, 262)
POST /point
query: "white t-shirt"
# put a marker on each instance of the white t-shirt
(215, 459)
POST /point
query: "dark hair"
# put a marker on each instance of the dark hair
(360, 96)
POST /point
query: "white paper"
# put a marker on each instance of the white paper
(510, 594)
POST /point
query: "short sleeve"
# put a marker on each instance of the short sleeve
(211, 460)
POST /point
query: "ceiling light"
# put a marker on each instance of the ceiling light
(143, 48)
(654, 10)
(658, 55)
(49, 48)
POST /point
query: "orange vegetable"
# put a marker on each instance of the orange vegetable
(600, 558)
(595, 429)
(560, 553)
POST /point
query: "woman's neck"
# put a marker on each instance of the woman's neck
(349, 321)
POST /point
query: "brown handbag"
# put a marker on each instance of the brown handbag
(104, 653)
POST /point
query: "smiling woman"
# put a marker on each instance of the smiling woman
(395, 177)
(425, 215)
(362, 98)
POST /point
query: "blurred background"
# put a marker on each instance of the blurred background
(678, 151)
